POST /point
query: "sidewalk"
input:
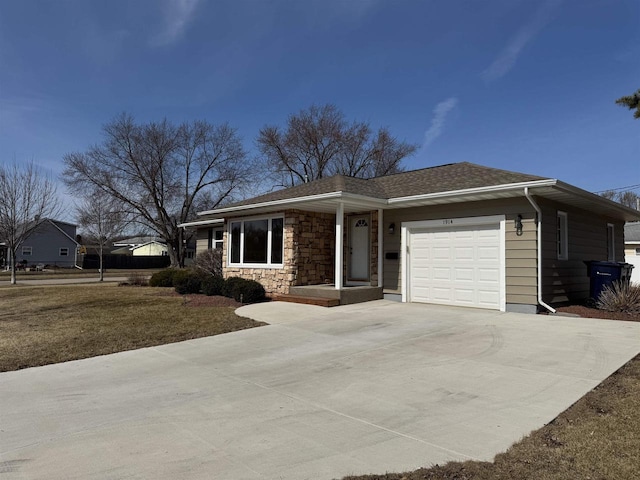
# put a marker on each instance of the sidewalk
(62, 281)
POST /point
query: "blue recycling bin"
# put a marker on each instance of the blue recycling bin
(603, 274)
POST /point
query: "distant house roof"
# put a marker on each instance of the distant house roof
(632, 232)
(455, 182)
(162, 244)
(137, 241)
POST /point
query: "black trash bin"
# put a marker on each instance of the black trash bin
(603, 274)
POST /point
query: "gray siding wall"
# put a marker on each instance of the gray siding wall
(45, 244)
(567, 280)
(202, 239)
(521, 265)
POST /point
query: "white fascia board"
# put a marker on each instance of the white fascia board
(273, 203)
(213, 221)
(363, 199)
(565, 187)
(550, 182)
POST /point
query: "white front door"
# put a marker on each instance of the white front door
(358, 248)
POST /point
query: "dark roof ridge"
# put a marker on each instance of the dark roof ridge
(471, 164)
(415, 170)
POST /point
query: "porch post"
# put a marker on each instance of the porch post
(380, 249)
(339, 247)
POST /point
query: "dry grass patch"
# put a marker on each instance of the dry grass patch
(50, 324)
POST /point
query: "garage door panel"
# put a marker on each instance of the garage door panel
(464, 274)
(455, 265)
(463, 253)
(464, 296)
(441, 273)
(440, 253)
(441, 295)
(488, 275)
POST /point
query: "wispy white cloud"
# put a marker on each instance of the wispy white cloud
(509, 55)
(437, 121)
(176, 15)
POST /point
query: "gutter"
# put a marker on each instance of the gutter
(539, 242)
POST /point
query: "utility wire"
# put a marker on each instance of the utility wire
(630, 187)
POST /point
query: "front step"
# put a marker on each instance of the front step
(319, 301)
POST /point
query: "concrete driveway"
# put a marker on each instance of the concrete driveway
(320, 393)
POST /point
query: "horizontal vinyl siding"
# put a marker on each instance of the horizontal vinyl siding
(521, 271)
(567, 280)
(202, 239)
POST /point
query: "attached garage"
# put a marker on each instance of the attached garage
(455, 261)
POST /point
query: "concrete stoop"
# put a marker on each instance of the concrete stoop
(319, 301)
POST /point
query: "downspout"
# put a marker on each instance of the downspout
(539, 242)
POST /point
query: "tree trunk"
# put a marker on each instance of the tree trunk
(13, 267)
(173, 255)
(101, 264)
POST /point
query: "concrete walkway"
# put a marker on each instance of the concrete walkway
(318, 394)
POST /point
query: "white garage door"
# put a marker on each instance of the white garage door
(456, 265)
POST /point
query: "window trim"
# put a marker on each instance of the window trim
(27, 251)
(211, 238)
(562, 235)
(60, 254)
(611, 243)
(241, 220)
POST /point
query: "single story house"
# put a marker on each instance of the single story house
(52, 243)
(149, 246)
(127, 245)
(632, 249)
(458, 234)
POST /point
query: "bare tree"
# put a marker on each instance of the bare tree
(162, 173)
(27, 197)
(628, 198)
(101, 218)
(319, 142)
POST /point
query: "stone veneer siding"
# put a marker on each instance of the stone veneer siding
(308, 253)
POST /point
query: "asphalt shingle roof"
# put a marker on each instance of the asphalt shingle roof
(444, 178)
(632, 232)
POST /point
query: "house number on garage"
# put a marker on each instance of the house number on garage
(447, 221)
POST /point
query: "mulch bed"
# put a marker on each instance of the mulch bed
(589, 312)
(197, 300)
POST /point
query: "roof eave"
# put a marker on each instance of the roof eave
(463, 194)
(199, 223)
(355, 199)
(626, 213)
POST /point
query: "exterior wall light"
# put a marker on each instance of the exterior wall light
(518, 225)
(392, 229)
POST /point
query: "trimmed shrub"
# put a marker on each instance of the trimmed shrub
(243, 290)
(187, 281)
(163, 278)
(212, 285)
(620, 297)
(230, 285)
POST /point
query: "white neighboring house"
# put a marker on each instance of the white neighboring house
(148, 246)
(150, 249)
(632, 249)
(142, 246)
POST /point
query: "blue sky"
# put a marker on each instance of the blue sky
(521, 85)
